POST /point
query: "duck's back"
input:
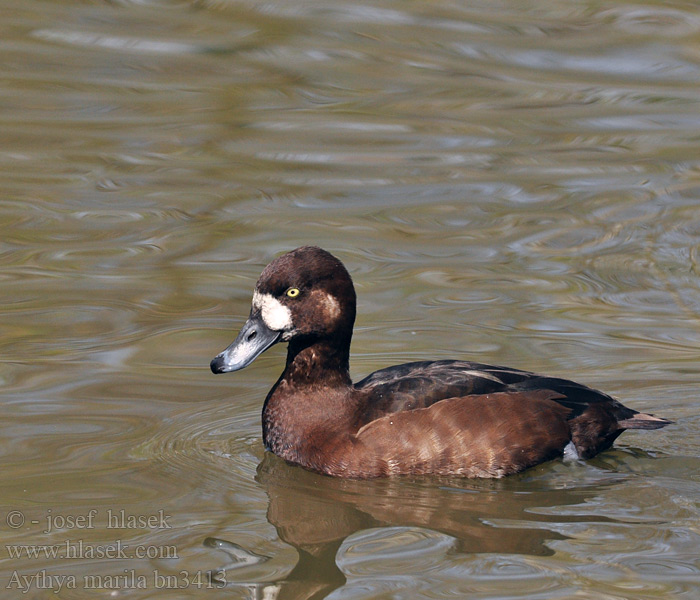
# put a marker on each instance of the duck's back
(421, 384)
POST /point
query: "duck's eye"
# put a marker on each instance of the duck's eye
(292, 292)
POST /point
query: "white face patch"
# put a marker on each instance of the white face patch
(274, 314)
(331, 305)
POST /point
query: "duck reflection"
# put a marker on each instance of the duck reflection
(315, 514)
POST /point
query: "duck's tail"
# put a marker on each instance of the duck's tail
(643, 421)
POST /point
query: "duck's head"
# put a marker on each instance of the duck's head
(301, 297)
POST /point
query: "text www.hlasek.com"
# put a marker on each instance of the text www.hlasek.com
(79, 550)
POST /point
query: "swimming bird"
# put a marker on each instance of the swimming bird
(443, 417)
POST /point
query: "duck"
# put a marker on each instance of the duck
(440, 417)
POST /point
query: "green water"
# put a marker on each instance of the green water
(514, 183)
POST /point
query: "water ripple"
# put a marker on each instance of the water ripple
(515, 185)
(124, 44)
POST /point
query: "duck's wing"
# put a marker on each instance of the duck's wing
(488, 435)
(595, 419)
(575, 396)
(421, 384)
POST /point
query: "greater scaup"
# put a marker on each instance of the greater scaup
(445, 417)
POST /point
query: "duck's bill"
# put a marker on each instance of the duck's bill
(254, 338)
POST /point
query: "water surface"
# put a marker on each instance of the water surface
(514, 183)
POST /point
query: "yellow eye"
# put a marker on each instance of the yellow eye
(292, 292)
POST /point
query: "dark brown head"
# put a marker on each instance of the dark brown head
(301, 297)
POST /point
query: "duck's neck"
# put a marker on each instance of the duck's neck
(311, 394)
(319, 363)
